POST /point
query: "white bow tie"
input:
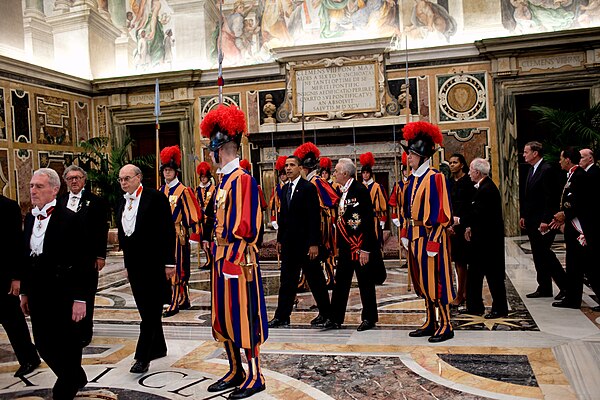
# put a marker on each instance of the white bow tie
(130, 196)
(36, 212)
(77, 196)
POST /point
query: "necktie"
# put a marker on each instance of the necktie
(289, 194)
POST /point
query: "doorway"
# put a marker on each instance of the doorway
(144, 145)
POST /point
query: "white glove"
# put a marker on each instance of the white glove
(404, 242)
(396, 222)
(382, 224)
(275, 225)
(432, 253)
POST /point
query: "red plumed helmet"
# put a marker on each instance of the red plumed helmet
(245, 164)
(325, 163)
(308, 154)
(203, 169)
(422, 138)
(170, 157)
(367, 160)
(280, 163)
(404, 158)
(223, 124)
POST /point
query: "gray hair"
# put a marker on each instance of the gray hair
(75, 168)
(53, 177)
(481, 165)
(347, 166)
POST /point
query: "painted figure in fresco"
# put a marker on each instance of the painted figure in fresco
(233, 33)
(379, 16)
(544, 15)
(168, 45)
(273, 21)
(430, 17)
(146, 19)
(591, 13)
(304, 20)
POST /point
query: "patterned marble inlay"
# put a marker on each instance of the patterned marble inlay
(82, 121)
(3, 134)
(4, 177)
(21, 117)
(101, 116)
(462, 97)
(54, 120)
(504, 368)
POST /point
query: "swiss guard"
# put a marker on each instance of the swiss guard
(309, 154)
(427, 213)
(275, 200)
(187, 217)
(325, 173)
(239, 315)
(379, 200)
(205, 194)
(395, 201)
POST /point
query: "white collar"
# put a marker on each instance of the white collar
(295, 181)
(135, 193)
(230, 166)
(588, 167)
(537, 164)
(423, 168)
(369, 182)
(43, 212)
(173, 183)
(207, 184)
(347, 185)
(479, 183)
(78, 195)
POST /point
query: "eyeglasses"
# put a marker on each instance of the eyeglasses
(73, 178)
(126, 178)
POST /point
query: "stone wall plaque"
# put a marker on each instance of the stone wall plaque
(148, 98)
(552, 61)
(347, 87)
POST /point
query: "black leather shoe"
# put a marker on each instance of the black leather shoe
(597, 308)
(170, 313)
(441, 338)
(139, 367)
(243, 393)
(319, 320)
(495, 314)
(566, 304)
(27, 369)
(561, 295)
(365, 326)
(85, 343)
(471, 312)
(422, 332)
(538, 294)
(221, 385)
(329, 324)
(278, 323)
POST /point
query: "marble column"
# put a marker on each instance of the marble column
(39, 42)
(193, 24)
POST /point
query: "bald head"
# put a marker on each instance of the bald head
(587, 158)
(130, 178)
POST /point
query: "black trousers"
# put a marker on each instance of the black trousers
(87, 324)
(291, 266)
(480, 267)
(580, 261)
(149, 290)
(13, 321)
(547, 266)
(343, 279)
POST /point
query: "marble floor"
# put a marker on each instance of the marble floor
(537, 352)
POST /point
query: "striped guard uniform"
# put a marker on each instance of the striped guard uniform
(205, 197)
(239, 315)
(379, 199)
(328, 201)
(275, 201)
(427, 213)
(186, 217)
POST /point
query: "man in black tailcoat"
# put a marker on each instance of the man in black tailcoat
(298, 239)
(11, 316)
(485, 232)
(94, 212)
(56, 282)
(147, 238)
(356, 241)
(539, 203)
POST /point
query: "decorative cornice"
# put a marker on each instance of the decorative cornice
(331, 49)
(249, 72)
(432, 54)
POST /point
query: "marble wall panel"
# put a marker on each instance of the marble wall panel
(3, 134)
(253, 112)
(423, 93)
(23, 172)
(21, 116)
(102, 115)
(471, 143)
(4, 174)
(82, 121)
(207, 103)
(53, 115)
(462, 97)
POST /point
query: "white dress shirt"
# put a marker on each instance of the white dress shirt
(74, 200)
(132, 202)
(40, 224)
(293, 186)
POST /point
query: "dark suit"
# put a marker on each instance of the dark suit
(52, 281)
(590, 223)
(486, 249)
(300, 228)
(94, 212)
(146, 253)
(578, 261)
(539, 204)
(357, 221)
(11, 316)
